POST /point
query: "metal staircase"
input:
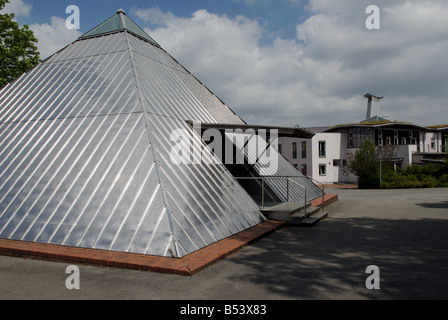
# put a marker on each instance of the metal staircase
(294, 213)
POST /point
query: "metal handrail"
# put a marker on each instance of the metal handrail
(323, 190)
(275, 178)
(306, 205)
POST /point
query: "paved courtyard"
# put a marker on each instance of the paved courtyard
(403, 232)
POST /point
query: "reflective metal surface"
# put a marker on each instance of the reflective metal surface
(253, 147)
(85, 154)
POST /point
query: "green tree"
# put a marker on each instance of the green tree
(364, 164)
(444, 167)
(18, 50)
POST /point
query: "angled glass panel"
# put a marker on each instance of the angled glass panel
(118, 22)
(112, 24)
(133, 27)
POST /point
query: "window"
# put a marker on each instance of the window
(322, 149)
(380, 138)
(304, 170)
(337, 162)
(322, 170)
(433, 143)
(294, 150)
(357, 136)
(304, 150)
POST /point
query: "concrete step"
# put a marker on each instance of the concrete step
(309, 212)
(283, 211)
(313, 220)
(285, 206)
(313, 216)
(294, 214)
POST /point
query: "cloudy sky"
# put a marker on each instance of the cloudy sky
(286, 62)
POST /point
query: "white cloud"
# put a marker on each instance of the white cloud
(18, 7)
(320, 77)
(53, 37)
(154, 15)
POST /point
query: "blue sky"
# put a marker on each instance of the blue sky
(286, 62)
(277, 17)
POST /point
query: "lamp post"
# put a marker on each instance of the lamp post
(381, 169)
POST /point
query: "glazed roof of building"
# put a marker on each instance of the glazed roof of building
(119, 22)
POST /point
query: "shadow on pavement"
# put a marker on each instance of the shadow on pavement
(330, 260)
(441, 205)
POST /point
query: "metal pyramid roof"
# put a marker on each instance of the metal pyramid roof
(85, 152)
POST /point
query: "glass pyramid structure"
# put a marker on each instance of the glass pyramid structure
(85, 151)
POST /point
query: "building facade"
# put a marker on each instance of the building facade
(324, 157)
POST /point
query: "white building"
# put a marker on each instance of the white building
(324, 156)
(321, 158)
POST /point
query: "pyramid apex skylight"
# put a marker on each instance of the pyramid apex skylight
(119, 22)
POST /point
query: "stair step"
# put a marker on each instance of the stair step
(309, 222)
(289, 208)
(294, 213)
(309, 211)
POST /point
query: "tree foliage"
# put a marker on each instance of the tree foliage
(18, 50)
(365, 166)
(444, 169)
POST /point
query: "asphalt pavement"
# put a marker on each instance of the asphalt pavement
(404, 233)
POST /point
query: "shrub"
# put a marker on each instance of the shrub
(444, 167)
(365, 166)
(369, 181)
(388, 173)
(421, 172)
(443, 181)
(429, 182)
(402, 182)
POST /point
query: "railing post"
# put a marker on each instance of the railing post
(263, 187)
(323, 198)
(306, 214)
(262, 192)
